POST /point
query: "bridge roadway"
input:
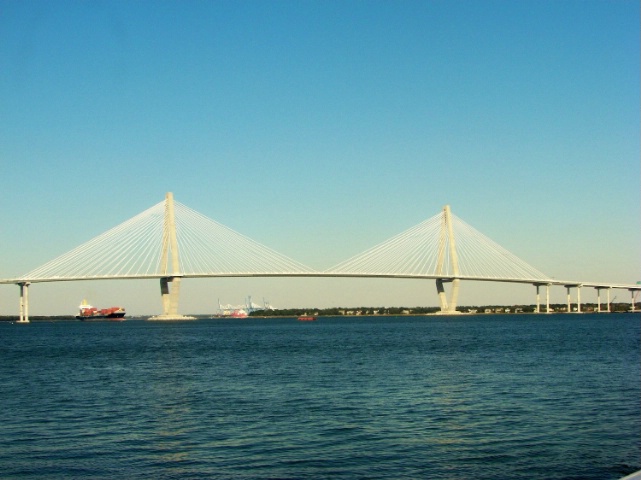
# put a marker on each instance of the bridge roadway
(537, 282)
(445, 278)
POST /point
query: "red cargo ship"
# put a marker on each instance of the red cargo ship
(89, 313)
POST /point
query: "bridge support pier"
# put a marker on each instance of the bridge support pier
(170, 300)
(538, 297)
(24, 302)
(170, 297)
(440, 289)
(447, 308)
(578, 298)
(598, 299)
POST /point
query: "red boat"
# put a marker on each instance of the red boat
(306, 318)
(89, 313)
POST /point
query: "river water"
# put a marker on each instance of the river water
(469, 397)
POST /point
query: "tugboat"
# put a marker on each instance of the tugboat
(89, 313)
(238, 313)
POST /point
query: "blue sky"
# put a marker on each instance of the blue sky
(321, 128)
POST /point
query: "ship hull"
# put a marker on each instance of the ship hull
(114, 317)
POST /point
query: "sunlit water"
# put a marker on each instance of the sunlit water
(474, 397)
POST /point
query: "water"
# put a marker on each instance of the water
(476, 397)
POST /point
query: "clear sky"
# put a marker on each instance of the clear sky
(321, 128)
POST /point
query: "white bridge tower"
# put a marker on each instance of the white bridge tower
(170, 253)
(447, 248)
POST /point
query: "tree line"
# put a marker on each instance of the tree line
(354, 311)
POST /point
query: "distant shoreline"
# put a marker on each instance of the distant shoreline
(558, 309)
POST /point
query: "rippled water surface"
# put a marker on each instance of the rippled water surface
(474, 397)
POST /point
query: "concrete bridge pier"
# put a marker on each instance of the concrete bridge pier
(442, 298)
(448, 308)
(24, 302)
(598, 298)
(547, 298)
(578, 297)
(170, 297)
(538, 297)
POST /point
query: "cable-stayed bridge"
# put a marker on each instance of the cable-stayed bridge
(170, 241)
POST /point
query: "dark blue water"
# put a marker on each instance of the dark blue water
(476, 397)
